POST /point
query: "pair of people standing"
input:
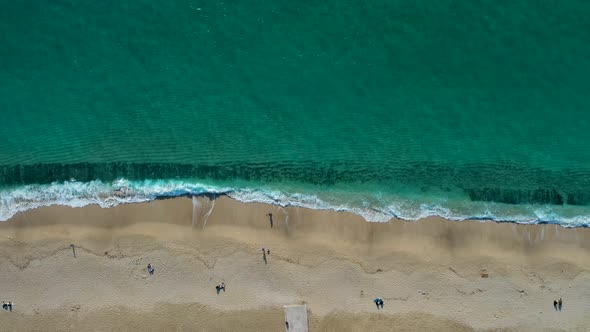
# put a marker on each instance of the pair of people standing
(378, 303)
(7, 305)
(558, 304)
(218, 288)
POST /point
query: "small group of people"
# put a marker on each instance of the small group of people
(7, 305)
(378, 302)
(218, 288)
(150, 269)
(558, 304)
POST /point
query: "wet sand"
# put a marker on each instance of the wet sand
(428, 272)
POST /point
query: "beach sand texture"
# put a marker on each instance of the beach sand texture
(432, 274)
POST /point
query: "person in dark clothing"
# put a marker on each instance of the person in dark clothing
(264, 256)
(559, 304)
(555, 304)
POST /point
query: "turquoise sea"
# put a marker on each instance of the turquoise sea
(463, 109)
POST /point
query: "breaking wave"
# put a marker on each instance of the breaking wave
(373, 208)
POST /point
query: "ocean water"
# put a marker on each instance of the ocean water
(463, 109)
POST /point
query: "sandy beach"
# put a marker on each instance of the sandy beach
(429, 272)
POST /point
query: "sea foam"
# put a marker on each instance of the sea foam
(78, 194)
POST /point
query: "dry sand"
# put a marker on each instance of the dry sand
(428, 272)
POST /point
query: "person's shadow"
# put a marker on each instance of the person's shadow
(264, 258)
(270, 219)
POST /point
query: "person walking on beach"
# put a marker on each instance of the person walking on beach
(555, 304)
(559, 304)
(270, 218)
(150, 269)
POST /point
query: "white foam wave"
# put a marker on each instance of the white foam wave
(305, 201)
(79, 194)
(412, 210)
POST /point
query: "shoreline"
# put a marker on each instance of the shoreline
(429, 268)
(107, 195)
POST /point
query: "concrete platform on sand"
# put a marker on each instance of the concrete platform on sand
(296, 318)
